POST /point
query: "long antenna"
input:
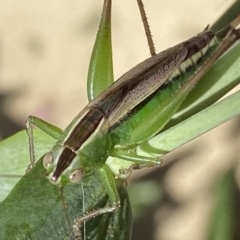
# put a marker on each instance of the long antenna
(83, 210)
(146, 28)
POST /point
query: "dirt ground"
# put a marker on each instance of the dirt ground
(45, 48)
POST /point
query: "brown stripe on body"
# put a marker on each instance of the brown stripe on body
(83, 130)
(197, 43)
(64, 161)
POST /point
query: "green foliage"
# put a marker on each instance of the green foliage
(34, 209)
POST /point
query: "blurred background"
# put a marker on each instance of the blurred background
(45, 47)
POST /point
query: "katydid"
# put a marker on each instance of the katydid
(115, 122)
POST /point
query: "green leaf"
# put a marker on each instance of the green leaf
(34, 209)
(15, 157)
(100, 73)
(192, 127)
(224, 219)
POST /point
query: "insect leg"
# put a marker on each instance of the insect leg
(46, 127)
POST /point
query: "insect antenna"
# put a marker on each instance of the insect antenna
(83, 210)
(146, 28)
(64, 204)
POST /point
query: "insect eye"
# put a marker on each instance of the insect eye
(76, 176)
(47, 160)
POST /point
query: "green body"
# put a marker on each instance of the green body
(117, 118)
